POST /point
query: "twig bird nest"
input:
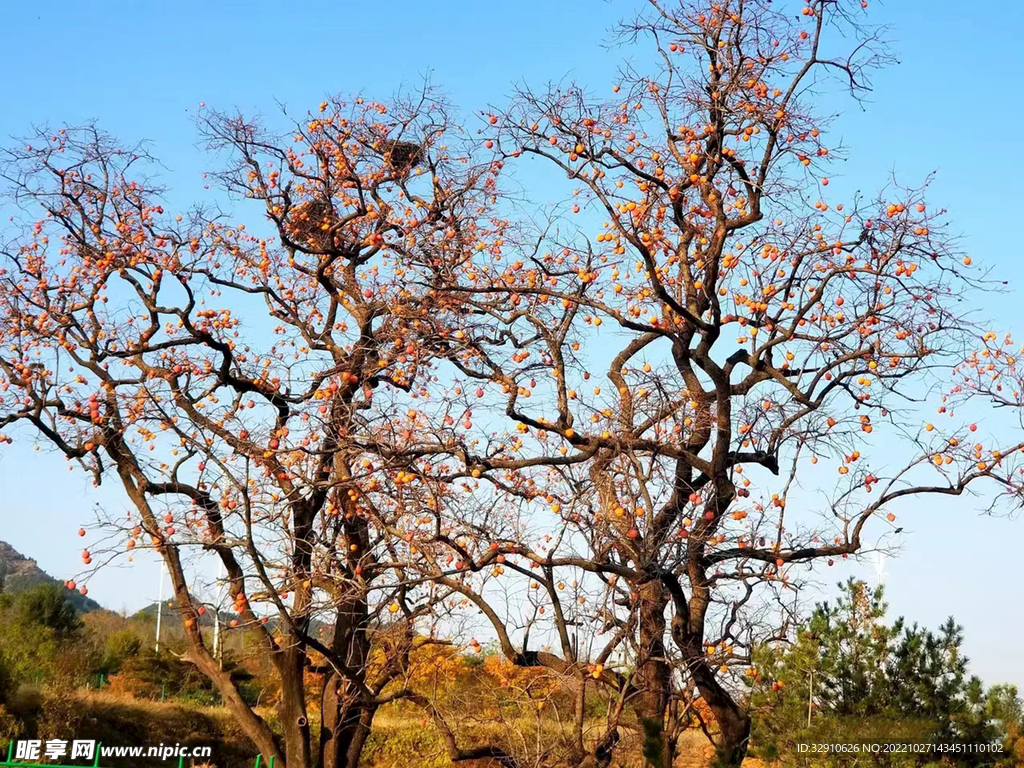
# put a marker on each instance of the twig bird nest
(310, 224)
(402, 155)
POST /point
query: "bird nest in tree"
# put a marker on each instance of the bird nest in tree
(402, 155)
(310, 224)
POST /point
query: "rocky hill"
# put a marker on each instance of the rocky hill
(18, 573)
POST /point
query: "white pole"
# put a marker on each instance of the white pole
(160, 607)
(217, 652)
(810, 698)
(216, 634)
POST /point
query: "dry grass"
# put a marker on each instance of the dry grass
(399, 740)
(122, 721)
(402, 740)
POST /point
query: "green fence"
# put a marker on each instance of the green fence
(11, 763)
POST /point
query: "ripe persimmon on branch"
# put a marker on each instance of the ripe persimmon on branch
(241, 384)
(665, 386)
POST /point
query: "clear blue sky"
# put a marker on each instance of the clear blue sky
(952, 105)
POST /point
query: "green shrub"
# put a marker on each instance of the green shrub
(41, 637)
(120, 646)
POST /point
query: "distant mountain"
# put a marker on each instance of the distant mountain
(18, 573)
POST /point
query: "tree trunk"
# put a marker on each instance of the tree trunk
(331, 747)
(292, 709)
(345, 727)
(357, 730)
(653, 676)
(253, 727)
(733, 723)
(347, 715)
(735, 735)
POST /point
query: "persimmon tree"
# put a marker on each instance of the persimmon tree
(647, 397)
(619, 439)
(241, 383)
